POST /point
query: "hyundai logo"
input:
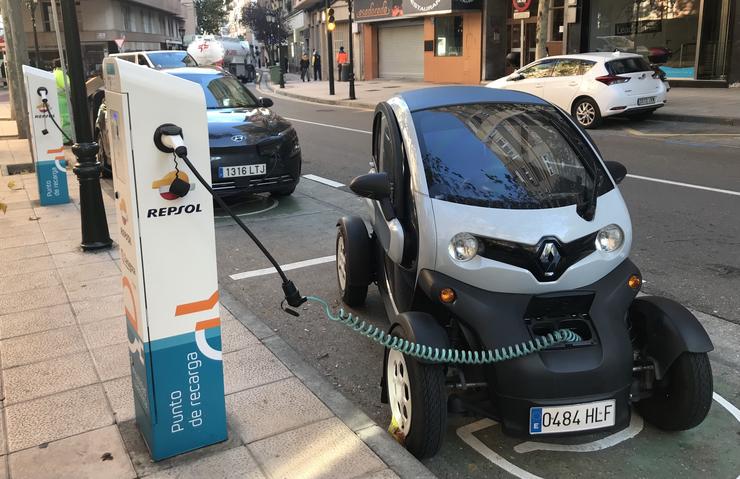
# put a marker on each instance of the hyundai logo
(549, 258)
(238, 138)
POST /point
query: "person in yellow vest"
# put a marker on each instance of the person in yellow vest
(63, 113)
(341, 59)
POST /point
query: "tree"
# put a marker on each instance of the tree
(269, 26)
(543, 14)
(210, 15)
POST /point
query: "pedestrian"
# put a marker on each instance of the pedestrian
(304, 68)
(316, 61)
(284, 64)
(63, 113)
(341, 59)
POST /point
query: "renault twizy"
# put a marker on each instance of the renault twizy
(494, 221)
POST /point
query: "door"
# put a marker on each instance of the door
(565, 82)
(401, 50)
(532, 78)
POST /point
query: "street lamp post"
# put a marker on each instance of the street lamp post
(272, 20)
(351, 56)
(181, 30)
(32, 4)
(95, 233)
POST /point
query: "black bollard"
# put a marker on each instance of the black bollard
(95, 234)
(282, 77)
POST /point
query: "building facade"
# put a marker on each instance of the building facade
(104, 24)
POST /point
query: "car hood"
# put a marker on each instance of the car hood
(230, 127)
(498, 83)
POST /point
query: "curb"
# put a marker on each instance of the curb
(398, 459)
(712, 120)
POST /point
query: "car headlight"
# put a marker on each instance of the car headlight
(609, 238)
(463, 247)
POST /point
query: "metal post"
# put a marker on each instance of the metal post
(62, 63)
(330, 53)
(95, 233)
(351, 56)
(521, 45)
(32, 4)
(282, 74)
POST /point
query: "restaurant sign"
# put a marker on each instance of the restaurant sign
(374, 10)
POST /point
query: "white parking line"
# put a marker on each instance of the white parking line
(323, 180)
(330, 126)
(685, 185)
(285, 267)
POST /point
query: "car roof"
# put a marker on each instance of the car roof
(434, 97)
(194, 70)
(595, 56)
(146, 52)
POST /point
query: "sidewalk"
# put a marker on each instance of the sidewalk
(702, 105)
(67, 398)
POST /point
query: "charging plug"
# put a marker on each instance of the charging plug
(43, 93)
(168, 139)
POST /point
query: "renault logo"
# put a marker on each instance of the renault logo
(549, 258)
(238, 138)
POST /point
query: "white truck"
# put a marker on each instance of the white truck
(231, 54)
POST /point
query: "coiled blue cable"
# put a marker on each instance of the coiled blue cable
(446, 355)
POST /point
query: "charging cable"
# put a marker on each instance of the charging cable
(168, 138)
(44, 94)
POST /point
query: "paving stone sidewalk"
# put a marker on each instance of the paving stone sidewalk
(67, 403)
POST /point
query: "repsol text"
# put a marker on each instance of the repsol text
(173, 210)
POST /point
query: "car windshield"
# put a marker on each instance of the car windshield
(173, 59)
(627, 65)
(222, 91)
(513, 156)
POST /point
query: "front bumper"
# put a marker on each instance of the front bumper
(282, 173)
(596, 369)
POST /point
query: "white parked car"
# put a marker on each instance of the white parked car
(592, 86)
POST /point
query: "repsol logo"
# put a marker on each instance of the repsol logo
(173, 210)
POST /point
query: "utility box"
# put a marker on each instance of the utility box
(46, 139)
(168, 259)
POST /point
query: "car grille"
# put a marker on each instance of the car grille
(254, 182)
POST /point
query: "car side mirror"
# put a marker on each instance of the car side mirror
(516, 77)
(617, 170)
(264, 102)
(375, 186)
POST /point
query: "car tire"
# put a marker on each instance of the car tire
(643, 115)
(681, 400)
(353, 247)
(418, 401)
(586, 113)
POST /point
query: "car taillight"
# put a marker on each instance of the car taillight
(658, 73)
(612, 79)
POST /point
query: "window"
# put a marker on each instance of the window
(173, 59)
(127, 19)
(222, 91)
(47, 19)
(542, 69)
(557, 14)
(448, 35)
(628, 65)
(512, 156)
(568, 67)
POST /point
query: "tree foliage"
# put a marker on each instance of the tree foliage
(211, 15)
(272, 33)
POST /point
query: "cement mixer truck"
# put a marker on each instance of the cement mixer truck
(231, 54)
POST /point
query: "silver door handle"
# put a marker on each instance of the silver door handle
(573, 83)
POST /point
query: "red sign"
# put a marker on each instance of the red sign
(120, 42)
(521, 5)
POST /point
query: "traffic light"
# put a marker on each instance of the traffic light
(330, 22)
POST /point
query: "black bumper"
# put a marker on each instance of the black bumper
(595, 369)
(282, 172)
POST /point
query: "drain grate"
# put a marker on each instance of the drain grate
(20, 168)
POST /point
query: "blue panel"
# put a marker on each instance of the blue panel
(535, 420)
(52, 178)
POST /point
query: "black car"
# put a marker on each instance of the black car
(253, 150)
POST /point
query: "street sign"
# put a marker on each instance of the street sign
(521, 5)
(521, 15)
(168, 260)
(120, 42)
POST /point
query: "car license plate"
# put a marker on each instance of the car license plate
(574, 417)
(646, 100)
(241, 170)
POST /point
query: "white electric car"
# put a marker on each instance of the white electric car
(592, 86)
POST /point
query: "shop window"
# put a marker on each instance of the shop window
(557, 14)
(448, 34)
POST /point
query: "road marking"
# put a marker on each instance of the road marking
(330, 126)
(286, 267)
(640, 133)
(636, 425)
(323, 180)
(686, 185)
(727, 405)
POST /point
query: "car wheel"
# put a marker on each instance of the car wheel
(351, 272)
(417, 399)
(681, 400)
(586, 112)
(643, 115)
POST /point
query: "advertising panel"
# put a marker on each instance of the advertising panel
(374, 10)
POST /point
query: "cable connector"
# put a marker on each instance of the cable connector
(292, 297)
(168, 139)
(43, 93)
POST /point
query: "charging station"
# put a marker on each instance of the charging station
(46, 138)
(168, 258)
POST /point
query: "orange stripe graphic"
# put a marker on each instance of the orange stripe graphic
(61, 157)
(131, 316)
(59, 150)
(207, 324)
(197, 306)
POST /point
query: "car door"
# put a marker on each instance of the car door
(531, 79)
(565, 82)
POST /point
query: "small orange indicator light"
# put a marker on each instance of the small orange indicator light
(634, 282)
(447, 295)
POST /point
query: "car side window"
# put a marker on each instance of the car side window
(567, 67)
(128, 58)
(585, 66)
(538, 70)
(142, 61)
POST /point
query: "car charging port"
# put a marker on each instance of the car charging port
(580, 324)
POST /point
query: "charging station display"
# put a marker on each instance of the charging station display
(168, 257)
(46, 138)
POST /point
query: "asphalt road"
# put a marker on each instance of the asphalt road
(685, 242)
